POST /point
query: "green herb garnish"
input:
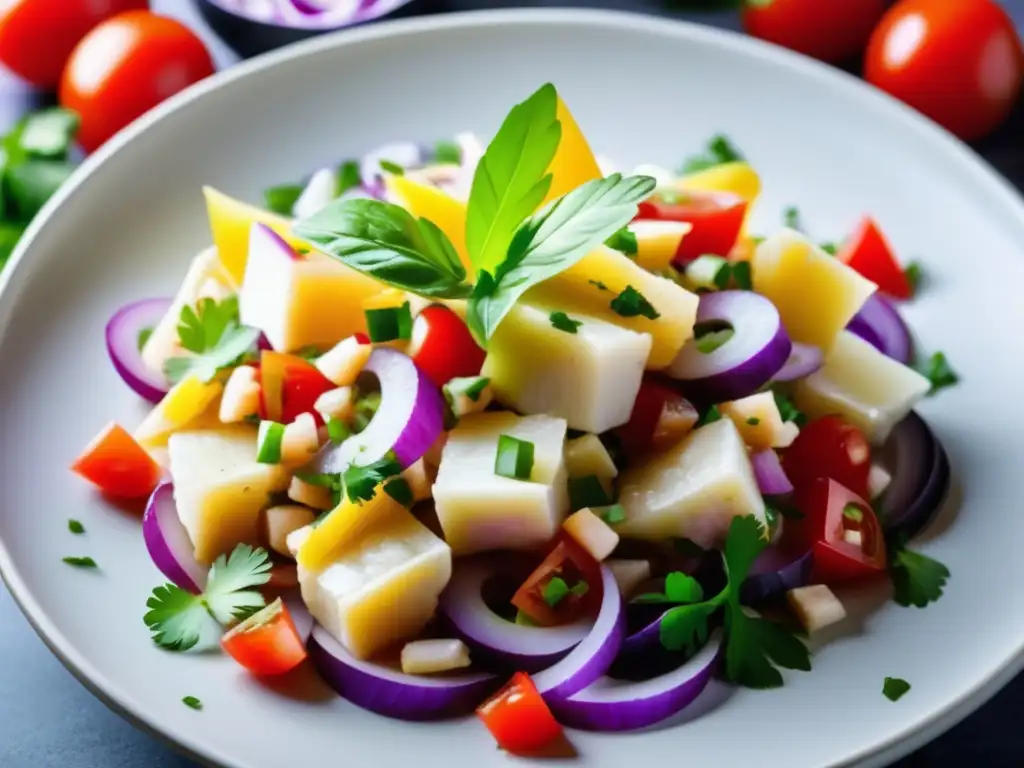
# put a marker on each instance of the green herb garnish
(711, 336)
(399, 490)
(914, 272)
(282, 198)
(680, 588)
(893, 688)
(80, 562)
(791, 218)
(916, 579)
(192, 702)
(447, 152)
(393, 168)
(939, 372)
(718, 152)
(710, 416)
(753, 421)
(514, 458)
(632, 303)
(787, 409)
(853, 513)
(623, 241)
(338, 431)
(555, 591)
(75, 527)
(588, 491)
(614, 514)
(360, 483)
(563, 322)
(599, 285)
(470, 386)
(211, 331)
(143, 337)
(389, 323)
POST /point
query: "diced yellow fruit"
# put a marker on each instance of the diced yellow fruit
(759, 422)
(816, 294)
(862, 385)
(657, 242)
(592, 533)
(574, 163)
(220, 489)
(230, 222)
(590, 378)
(283, 520)
(693, 490)
(190, 404)
(342, 528)
(428, 202)
(575, 290)
(383, 588)
(480, 510)
(738, 178)
(587, 455)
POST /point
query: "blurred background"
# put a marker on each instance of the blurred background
(75, 72)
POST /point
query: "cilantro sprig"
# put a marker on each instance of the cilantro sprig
(939, 372)
(917, 579)
(212, 332)
(179, 620)
(754, 646)
(719, 150)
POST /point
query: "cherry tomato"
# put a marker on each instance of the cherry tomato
(869, 253)
(957, 61)
(518, 717)
(834, 30)
(442, 346)
(572, 564)
(118, 465)
(840, 528)
(266, 643)
(37, 36)
(660, 418)
(289, 386)
(126, 66)
(717, 218)
(829, 447)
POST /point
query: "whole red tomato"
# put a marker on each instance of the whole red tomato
(37, 36)
(957, 61)
(830, 30)
(126, 66)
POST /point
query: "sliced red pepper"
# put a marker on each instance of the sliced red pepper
(841, 530)
(116, 464)
(518, 717)
(289, 386)
(571, 563)
(869, 253)
(717, 218)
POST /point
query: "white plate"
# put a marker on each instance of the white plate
(644, 89)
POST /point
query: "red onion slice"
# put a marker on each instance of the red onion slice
(774, 573)
(595, 654)
(409, 420)
(879, 323)
(771, 477)
(489, 635)
(803, 360)
(393, 693)
(168, 542)
(122, 334)
(756, 351)
(920, 476)
(609, 705)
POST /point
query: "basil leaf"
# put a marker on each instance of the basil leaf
(510, 180)
(387, 243)
(554, 239)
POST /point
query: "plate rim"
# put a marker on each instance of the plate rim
(16, 273)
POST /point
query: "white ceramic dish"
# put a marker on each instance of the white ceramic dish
(643, 89)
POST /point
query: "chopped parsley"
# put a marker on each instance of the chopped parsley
(338, 431)
(753, 421)
(213, 333)
(710, 416)
(80, 562)
(192, 702)
(563, 322)
(399, 490)
(614, 514)
(719, 151)
(447, 152)
(939, 372)
(282, 198)
(514, 459)
(470, 386)
(348, 176)
(916, 579)
(393, 168)
(360, 483)
(623, 241)
(599, 285)
(788, 410)
(914, 272)
(556, 590)
(631, 303)
(179, 620)
(75, 527)
(144, 335)
(830, 248)
(853, 513)
(791, 218)
(680, 589)
(894, 688)
(741, 276)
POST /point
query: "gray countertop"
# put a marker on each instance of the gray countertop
(48, 720)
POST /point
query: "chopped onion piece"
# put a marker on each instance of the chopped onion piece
(423, 657)
(816, 607)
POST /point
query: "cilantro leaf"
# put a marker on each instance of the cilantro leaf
(679, 588)
(787, 409)
(754, 644)
(893, 688)
(75, 527)
(282, 198)
(387, 243)
(551, 241)
(80, 562)
(686, 626)
(710, 416)
(348, 176)
(361, 483)
(718, 152)
(511, 179)
(200, 329)
(916, 579)
(211, 331)
(447, 152)
(791, 218)
(939, 372)
(234, 345)
(624, 241)
(632, 303)
(563, 322)
(179, 620)
(192, 702)
(914, 273)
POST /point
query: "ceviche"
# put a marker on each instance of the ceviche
(498, 428)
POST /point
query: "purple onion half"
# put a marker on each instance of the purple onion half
(803, 360)
(771, 477)
(920, 476)
(757, 349)
(122, 337)
(774, 573)
(879, 323)
(168, 542)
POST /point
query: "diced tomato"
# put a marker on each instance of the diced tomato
(657, 405)
(442, 346)
(841, 530)
(518, 717)
(717, 218)
(829, 447)
(289, 386)
(571, 563)
(118, 465)
(869, 253)
(266, 643)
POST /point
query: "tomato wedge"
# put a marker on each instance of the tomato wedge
(840, 528)
(289, 386)
(518, 717)
(869, 253)
(442, 346)
(118, 465)
(717, 218)
(266, 643)
(829, 447)
(572, 564)
(660, 417)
